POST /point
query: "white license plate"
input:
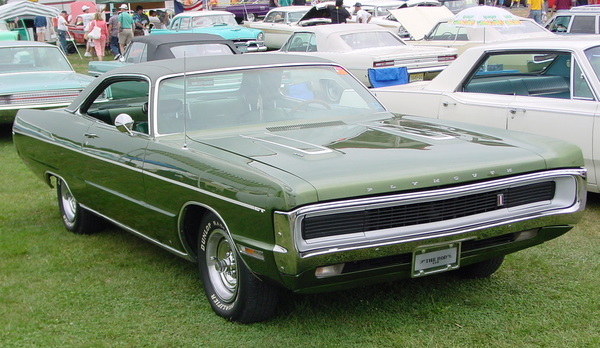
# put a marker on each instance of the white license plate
(435, 259)
(416, 77)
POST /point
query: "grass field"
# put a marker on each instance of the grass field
(112, 289)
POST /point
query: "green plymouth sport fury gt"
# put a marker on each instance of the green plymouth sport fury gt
(278, 171)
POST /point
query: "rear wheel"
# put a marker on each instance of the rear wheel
(232, 290)
(75, 218)
(481, 269)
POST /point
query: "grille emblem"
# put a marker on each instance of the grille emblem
(500, 199)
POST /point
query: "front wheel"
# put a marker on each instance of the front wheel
(75, 218)
(232, 290)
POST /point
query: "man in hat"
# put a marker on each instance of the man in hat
(86, 18)
(125, 27)
(362, 16)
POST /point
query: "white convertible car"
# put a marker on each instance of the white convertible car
(549, 87)
(280, 22)
(360, 47)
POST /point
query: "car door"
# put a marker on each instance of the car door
(484, 97)
(115, 158)
(569, 116)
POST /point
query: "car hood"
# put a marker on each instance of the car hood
(46, 80)
(341, 160)
(419, 21)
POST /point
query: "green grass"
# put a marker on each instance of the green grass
(112, 289)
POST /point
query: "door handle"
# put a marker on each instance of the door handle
(91, 135)
(446, 104)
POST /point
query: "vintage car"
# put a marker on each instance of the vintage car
(35, 75)
(246, 9)
(360, 47)
(6, 34)
(444, 34)
(220, 23)
(548, 87)
(281, 22)
(278, 171)
(154, 47)
(577, 20)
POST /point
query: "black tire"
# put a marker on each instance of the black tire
(232, 290)
(75, 218)
(481, 269)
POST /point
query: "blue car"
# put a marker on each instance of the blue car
(220, 23)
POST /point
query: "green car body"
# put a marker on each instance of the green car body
(333, 193)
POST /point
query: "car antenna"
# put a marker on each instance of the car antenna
(185, 146)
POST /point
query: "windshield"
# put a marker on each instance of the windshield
(25, 59)
(371, 39)
(267, 97)
(209, 21)
(449, 32)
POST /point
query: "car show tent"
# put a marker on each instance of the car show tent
(26, 9)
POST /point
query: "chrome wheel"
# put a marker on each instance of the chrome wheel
(222, 266)
(68, 203)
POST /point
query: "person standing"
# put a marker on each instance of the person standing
(100, 43)
(562, 5)
(362, 16)
(535, 10)
(338, 12)
(113, 33)
(62, 28)
(125, 27)
(40, 23)
(86, 18)
(140, 21)
(153, 20)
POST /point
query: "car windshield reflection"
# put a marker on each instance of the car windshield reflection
(26, 59)
(291, 95)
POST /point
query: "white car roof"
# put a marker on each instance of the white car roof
(342, 28)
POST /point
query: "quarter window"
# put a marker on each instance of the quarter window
(583, 25)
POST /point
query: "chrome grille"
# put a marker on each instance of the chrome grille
(425, 212)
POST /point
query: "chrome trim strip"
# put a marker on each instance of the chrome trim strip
(143, 236)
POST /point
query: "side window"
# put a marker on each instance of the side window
(581, 88)
(121, 96)
(583, 25)
(301, 42)
(537, 74)
(559, 24)
(274, 17)
(136, 53)
(185, 23)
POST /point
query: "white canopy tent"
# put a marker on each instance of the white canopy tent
(26, 9)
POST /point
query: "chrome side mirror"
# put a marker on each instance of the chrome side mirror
(124, 123)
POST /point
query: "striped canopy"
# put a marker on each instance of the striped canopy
(26, 9)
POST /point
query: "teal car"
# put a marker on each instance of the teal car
(35, 75)
(220, 23)
(6, 34)
(275, 172)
